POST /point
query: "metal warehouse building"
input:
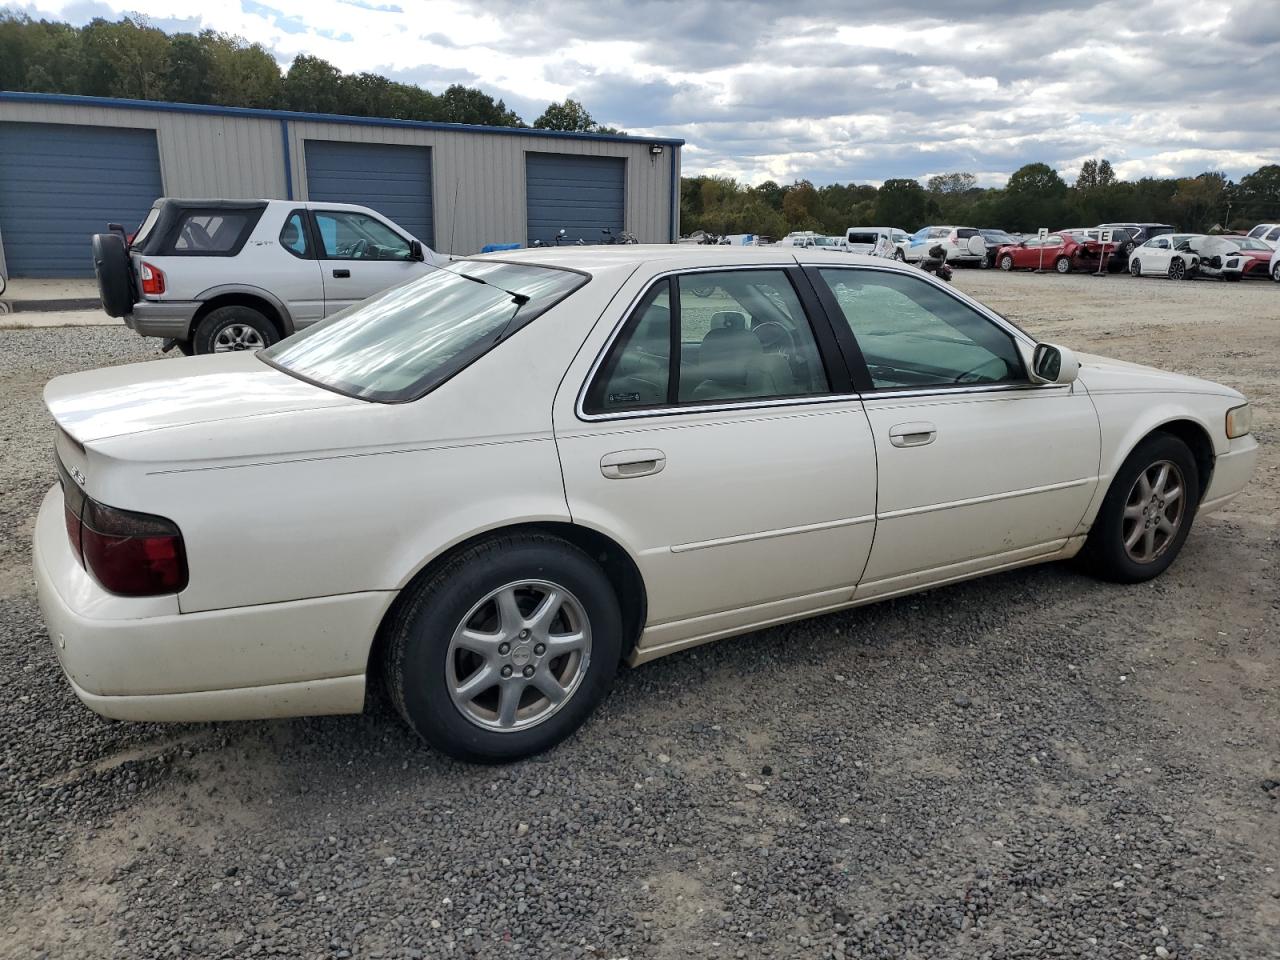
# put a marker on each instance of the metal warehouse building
(69, 165)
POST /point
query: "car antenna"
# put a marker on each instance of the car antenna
(453, 215)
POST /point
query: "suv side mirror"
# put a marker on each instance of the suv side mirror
(415, 251)
(1053, 364)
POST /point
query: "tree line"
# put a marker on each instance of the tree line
(131, 59)
(1035, 196)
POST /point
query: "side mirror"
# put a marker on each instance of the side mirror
(415, 251)
(1053, 364)
(563, 232)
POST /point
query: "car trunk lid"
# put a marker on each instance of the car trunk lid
(141, 397)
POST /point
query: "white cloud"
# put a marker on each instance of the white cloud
(850, 91)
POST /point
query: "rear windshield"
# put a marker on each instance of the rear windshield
(140, 235)
(406, 341)
(212, 232)
(964, 233)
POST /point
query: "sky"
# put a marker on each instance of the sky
(834, 91)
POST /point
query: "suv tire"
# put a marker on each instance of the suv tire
(233, 327)
(115, 274)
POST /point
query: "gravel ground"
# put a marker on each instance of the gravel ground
(1032, 765)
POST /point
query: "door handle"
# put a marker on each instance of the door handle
(342, 274)
(625, 464)
(912, 434)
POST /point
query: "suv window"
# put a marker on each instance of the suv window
(912, 334)
(868, 238)
(741, 335)
(212, 233)
(293, 235)
(355, 236)
(1274, 234)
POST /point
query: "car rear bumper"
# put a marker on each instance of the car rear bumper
(141, 659)
(163, 318)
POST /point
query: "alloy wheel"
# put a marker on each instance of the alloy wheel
(1154, 511)
(518, 656)
(237, 336)
(1135, 268)
(1006, 262)
(1177, 270)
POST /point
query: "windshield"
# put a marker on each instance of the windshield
(408, 340)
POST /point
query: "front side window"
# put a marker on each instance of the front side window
(1274, 234)
(741, 335)
(1258, 230)
(911, 334)
(1158, 244)
(355, 236)
(406, 341)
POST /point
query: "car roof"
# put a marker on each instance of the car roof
(676, 256)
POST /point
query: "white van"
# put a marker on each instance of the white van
(864, 239)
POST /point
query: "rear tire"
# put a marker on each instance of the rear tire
(1105, 554)
(1062, 264)
(114, 272)
(1275, 273)
(455, 611)
(232, 328)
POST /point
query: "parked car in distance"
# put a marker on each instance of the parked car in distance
(1061, 252)
(864, 239)
(497, 481)
(1138, 233)
(1168, 255)
(995, 239)
(213, 276)
(961, 244)
(1231, 257)
(1274, 267)
(1268, 233)
(817, 241)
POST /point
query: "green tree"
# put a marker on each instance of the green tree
(1201, 200)
(461, 104)
(313, 85)
(901, 203)
(952, 183)
(570, 115)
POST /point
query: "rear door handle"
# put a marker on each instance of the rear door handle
(625, 464)
(912, 434)
(342, 274)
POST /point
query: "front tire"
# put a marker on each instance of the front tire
(505, 650)
(1147, 513)
(231, 328)
(1177, 269)
(1275, 273)
(1135, 267)
(899, 256)
(1006, 263)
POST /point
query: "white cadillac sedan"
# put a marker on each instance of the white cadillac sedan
(495, 484)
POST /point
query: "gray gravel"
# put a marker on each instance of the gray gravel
(1034, 765)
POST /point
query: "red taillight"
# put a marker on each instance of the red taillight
(134, 554)
(152, 279)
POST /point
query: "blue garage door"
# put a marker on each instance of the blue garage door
(395, 180)
(582, 195)
(60, 184)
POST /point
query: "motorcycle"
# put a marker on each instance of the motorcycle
(936, 263)
(561, 239)
(624, 236)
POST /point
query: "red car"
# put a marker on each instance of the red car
(1063, 251)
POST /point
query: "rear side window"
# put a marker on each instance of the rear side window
(211, 233)
(1258, 230)
(736, 335)
(868, 238)
(964, 233)
(1274, 234)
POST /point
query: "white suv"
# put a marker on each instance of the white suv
(1268, 233)
(962, 244)
(217, 275)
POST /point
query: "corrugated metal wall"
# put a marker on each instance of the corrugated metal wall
(217, 155)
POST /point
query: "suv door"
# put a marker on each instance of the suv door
(718, 442)
(978, 467)
(294, 270)
(361, 255)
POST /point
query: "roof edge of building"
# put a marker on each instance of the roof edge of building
(70, 99)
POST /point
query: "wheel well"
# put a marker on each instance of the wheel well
(613, 560)
(1197, 440)
(263, 306)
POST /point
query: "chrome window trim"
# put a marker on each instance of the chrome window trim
(799, 400)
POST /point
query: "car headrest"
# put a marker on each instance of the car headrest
(730, 319)
(290, 235)
(726, 352)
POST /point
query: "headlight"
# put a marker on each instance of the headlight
(1239, 421)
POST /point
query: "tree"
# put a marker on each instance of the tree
(802, 207)
(461, 104)
(1200, 200)
(901, 203)
(1088, 178)
(1106, 176)
(952, 183)
(570, 115)
(313, 85)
